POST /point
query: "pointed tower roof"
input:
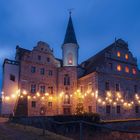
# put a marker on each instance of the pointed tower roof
(70, 33)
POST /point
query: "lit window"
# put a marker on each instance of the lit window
(118, 54)
(70, 59)
(126, 69)
(134, 71)
(126, 56)
(119, 68)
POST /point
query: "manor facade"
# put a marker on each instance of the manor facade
(37, 83)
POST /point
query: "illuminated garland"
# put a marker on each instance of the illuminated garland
(109, 99)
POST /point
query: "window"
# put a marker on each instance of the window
(12, 77)
(48, 59)
(136, 109)
(42, 89)
(108, 109)
(66, 79)
(33, 69)
(89, 109)
(126, 69)
(118, 54)
(33, 88)
(33, 103)
(118, 109)
(50, 104)
(50, 73)
(70, 60)
(117, 87)
(39, 57)
(107, 86)
(89, 87)
(119, 68)
(126, 56)
(50, 90)
(66, 99)
(135, 89)
(42, 71)
(110, 66)
(134, 71)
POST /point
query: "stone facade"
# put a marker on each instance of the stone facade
(107, 83)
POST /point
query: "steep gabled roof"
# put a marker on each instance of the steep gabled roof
(93, 62)
(70, 33)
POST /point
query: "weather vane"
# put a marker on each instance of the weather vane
(70, 10)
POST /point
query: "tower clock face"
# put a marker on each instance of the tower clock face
(70, 59)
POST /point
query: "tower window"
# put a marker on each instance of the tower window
(126, 56)
(12, 78)
(66, 80)
(119, 68)
(67, 99)
(70, 59)
(126, 69)
(118, 54)
(134, 71)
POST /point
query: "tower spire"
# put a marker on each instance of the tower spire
(70, 33)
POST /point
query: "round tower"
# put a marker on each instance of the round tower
(70, 46)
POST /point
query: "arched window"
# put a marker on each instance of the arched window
(66, 79)
(126, 56)
(119, 68)
(134, 71)
(70, 59)
(67, 99)
(118, 54)
(126, 69)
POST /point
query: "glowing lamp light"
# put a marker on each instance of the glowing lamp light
(24, 92)
(21, 96)
(99, 100)
(13, 95)
(110, 100)
(109, 94)
(38, 94)
(29, 97)
(46, 94)
(122, 100)
(50, 97)
(71, 95)
(114, 103)
(78, 90)
(103, 103)
(34, 97)
(92, 94)
(85, 94)
(7, 98)
(43, 98)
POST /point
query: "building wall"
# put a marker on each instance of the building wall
(10, 87)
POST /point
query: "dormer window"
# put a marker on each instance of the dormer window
(126, 69)
(119, 68)
(118, 54)
(39, 57)
(126, 56)
(134, 71)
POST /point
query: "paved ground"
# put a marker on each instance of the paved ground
(18, 132)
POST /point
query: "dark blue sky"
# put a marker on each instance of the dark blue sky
(96, 23)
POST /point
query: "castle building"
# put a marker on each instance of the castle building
(37, 83)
